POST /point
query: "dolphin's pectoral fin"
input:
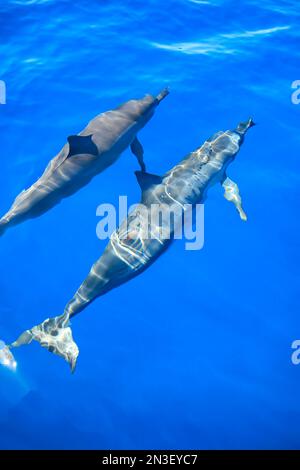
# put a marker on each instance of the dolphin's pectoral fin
(138, 151)
(55, 335)
(232, 194)
(81, 144)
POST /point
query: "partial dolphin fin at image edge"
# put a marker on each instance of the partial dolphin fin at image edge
(7, 358)
(55, 335)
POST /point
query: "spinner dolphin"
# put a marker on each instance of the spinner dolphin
(85, 155)
(131, 250)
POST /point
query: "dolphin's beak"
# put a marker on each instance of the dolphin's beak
(244, 126)
(162, 94)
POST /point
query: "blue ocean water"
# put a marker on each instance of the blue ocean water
(196, 352)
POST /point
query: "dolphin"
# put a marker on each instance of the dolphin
(131, 250)
(83, 156)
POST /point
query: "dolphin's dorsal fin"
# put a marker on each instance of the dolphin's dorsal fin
(146, 180)
(138, 151)
(80, 144)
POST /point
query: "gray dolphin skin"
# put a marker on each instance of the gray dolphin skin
(85, 155)
(131, 250)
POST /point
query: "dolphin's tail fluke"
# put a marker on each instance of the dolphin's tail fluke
(162, 94)
(55, 335)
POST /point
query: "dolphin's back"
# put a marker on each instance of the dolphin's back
(85, 155)
(129, 252)
(108, 127)
(133, 109)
